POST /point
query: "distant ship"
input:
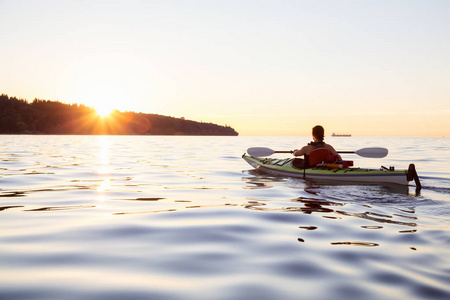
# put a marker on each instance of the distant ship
(341, 134)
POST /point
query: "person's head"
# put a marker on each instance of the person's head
(318, 133)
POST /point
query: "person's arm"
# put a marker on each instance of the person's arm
(334, 152)
(301, 152)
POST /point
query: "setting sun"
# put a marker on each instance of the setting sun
(104, 111)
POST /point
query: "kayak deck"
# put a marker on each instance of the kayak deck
(284, 167)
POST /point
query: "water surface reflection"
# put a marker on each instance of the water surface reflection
(176, 218)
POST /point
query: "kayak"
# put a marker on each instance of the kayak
(285, 167)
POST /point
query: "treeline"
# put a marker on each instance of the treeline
(17, 116)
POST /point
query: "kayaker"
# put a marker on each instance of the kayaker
(317, 151)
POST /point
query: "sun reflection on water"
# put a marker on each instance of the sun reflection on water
(104, 167)
(104, 186)
(103, 154)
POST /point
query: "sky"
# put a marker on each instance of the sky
(369, 68)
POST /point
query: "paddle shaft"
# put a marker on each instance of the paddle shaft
(374, 152)
(292, 151)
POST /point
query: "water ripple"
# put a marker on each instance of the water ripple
(149, 217)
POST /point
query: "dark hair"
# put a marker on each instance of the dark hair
(318, 132)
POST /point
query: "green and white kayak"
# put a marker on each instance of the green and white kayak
(284, 167)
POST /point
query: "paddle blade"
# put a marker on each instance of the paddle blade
(259, 151)
(375, 152)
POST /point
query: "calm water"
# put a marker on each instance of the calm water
(146, 217)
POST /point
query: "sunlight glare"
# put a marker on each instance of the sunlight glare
(104, 111)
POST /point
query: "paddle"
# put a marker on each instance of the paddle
(375, 152)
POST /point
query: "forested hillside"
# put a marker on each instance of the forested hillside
(18, 116)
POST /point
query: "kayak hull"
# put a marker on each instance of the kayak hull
(284, 167)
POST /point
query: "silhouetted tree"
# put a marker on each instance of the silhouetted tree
(53, 117)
